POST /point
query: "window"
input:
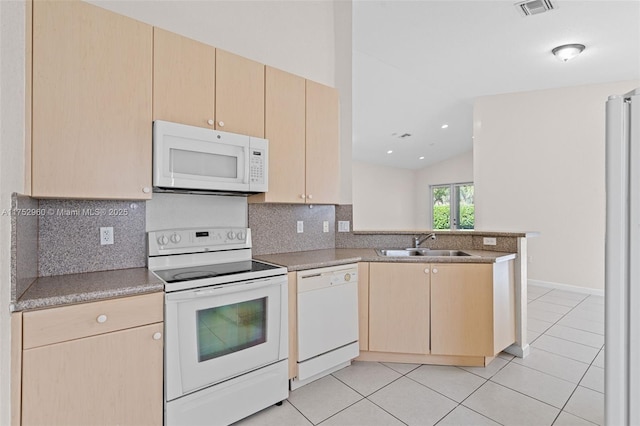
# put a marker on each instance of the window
(452, 206)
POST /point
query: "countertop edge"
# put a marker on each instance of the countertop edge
(95, 296)
(526, 234)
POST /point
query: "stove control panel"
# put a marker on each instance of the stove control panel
(190, 240)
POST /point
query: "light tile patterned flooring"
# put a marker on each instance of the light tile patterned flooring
(560, 383)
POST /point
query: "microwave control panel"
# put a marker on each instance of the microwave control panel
(258, 165)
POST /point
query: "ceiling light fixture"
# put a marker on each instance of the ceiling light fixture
(444, 126)
(567, 51)
(421, 158)
(389, 152)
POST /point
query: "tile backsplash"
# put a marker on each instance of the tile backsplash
(274, 227)
(69, 236)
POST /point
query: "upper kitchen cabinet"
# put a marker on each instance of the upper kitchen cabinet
(183, 80)
(239, 95)
(285, 129)
(322, 144)
(301, 123)
(91, 114)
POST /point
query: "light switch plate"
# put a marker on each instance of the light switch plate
(300, 227)
(489, 241)
(343, 226)
(325, 226)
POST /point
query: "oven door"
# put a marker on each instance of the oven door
(189, 157)
(216, 333)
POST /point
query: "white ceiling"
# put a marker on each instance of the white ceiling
(420, 64)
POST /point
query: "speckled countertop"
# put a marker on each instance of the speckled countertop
(59, 290)
(299, 261)
(450, 232)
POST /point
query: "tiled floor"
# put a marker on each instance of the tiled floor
(560, 383)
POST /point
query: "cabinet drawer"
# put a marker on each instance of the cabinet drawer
(55, 325)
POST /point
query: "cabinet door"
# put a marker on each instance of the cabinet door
(323, 145)
(399, 307)
(363, 305)
(113, 378)
(462, 309)
(284, 126)
(183, 80)
(239, 94)
(92, 74)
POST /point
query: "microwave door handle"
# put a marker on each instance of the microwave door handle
(247, 164)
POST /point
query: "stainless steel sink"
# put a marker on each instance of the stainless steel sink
(419, 252)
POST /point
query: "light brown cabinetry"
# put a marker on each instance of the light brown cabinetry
(399, 307)
(322, 144)
(199, 85)
(301, 123)
(91, 109)
(183, 80)
(472, 309)
(285, 130)
(103, 363)
(293, 323)
(363, 305)
(239, 94)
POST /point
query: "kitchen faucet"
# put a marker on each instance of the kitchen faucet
(417, 241)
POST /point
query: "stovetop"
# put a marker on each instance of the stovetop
(211, 271)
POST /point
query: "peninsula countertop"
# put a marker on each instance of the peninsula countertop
(299, 261)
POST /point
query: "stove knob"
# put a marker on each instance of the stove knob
(163, 240)
(175, 238)
(240, 235)
(231, 235)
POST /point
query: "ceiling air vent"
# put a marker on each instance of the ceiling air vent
(534, 7)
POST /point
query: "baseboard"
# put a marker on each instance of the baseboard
(566, 287)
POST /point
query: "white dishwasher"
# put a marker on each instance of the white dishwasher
(327, 321)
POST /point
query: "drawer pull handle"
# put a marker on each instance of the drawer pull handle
(101, 319)
(157, 335)
(435, 271)
(426, 271)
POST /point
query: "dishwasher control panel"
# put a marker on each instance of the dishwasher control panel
(315, 279)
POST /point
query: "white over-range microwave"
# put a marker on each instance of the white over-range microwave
(195, 159)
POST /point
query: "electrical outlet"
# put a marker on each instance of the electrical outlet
(343, 226)
(106, 235)
(489, 241)
(325, 226)
(300, 227)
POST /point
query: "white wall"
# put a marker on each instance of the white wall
(12, 98)
(539, 165)
(295, 36)
(383, 197)
(458, 169)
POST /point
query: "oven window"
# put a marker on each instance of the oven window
(231, 328)
(204, 164)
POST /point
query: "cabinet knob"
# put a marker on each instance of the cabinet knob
(210, 122)
(101, 319)
(435, 271)
(310, 196)
(157, 335)
(303, 196)
(426, 271)
(221, 123)
(146, 190)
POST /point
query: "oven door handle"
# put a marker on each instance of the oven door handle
(219, 290)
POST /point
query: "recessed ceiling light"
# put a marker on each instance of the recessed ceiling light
(389, 152)
(444, 126)
(421, 158)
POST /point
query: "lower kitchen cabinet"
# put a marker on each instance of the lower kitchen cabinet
(399, 307)
(472, 309)
(104, 367)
